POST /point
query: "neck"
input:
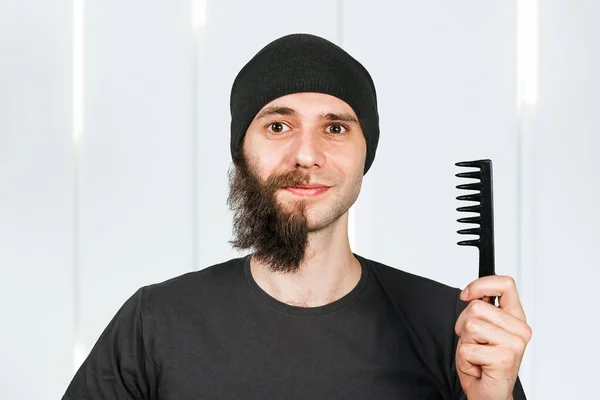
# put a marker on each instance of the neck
(327, 272)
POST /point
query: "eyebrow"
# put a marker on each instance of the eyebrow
(269, 111)
(344, 117)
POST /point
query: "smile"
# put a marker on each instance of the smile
(307, 192)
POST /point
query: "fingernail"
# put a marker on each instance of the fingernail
(464, 294)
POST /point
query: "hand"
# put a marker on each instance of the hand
(492, 339)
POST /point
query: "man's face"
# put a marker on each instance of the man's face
(298, 140)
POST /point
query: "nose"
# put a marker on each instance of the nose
(307, 149)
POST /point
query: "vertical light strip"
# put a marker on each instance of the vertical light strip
(78, 59)
(79, 352)
(352, 211)
(198, 8)
(527, 51)
(527, 97)
(340, 23)
(198, 22)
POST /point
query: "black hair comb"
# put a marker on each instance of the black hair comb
(485, 208)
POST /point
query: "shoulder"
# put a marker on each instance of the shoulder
(421, 300)
(196, 286)
(428, 309)
(417, 286)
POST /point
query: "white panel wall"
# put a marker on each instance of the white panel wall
(136, 161)
(446, 80)
(36, 199)
(144, 198)
(564, 143)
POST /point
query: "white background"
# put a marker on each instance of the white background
(139, 196)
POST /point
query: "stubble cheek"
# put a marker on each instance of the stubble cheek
(323, 213)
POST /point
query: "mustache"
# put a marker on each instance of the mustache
(286, 179)
(292, 178)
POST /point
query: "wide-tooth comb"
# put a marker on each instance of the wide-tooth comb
(485, 208)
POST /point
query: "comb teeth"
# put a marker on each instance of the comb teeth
(470, 220)
(475, 208)
(472, 174)
(470, 231)
(470, 186)
(470, 197)
(482, 196)
(469, 163)
(469, 243)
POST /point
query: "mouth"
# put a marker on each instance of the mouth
(306, 191)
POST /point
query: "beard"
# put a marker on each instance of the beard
(278, 234)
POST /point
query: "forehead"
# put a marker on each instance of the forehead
(308, 103)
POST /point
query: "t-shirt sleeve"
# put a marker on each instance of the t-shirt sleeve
(116, 367)
(518, 392)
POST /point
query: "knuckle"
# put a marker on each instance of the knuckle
(509, 282)
(476, 307)
(471, 324)
(464, 351)
(528, 333)
(507, 360)
(521, 344)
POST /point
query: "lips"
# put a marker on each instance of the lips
(307, 190)
(308, 187)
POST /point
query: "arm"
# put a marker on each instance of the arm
(116, 367)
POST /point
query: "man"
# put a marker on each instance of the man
(302, 317)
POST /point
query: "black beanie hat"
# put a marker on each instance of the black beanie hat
(303, 63)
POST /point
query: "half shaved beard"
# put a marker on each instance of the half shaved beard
(277, 234)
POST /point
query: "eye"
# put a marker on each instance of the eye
(277, 127)
(337, 129)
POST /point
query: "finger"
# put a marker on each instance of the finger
(488, 299)
(489, 358)
(463, 365)
(504, 287)
(477, 331)
(484, 311)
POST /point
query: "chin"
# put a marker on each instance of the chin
(319, 219)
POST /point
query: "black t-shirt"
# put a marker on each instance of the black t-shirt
(215, 334)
